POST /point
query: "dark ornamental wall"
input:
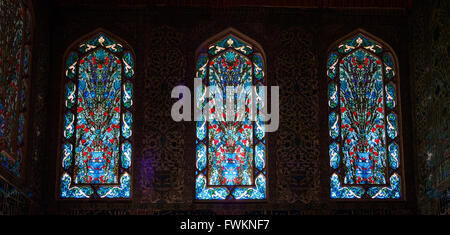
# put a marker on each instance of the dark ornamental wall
(296, 42)
(297, 163)
(165, 41)
(161, 175)
(431, 89)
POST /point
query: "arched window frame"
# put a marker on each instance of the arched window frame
(75, 52)
(222, 193)
(14, 163)
(395, 182)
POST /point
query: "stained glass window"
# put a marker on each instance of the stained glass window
(97, 119)
(364, 144)
(230, 155)
(15, 59)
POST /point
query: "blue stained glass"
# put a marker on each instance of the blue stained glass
(390, 95)
(259, 129)
(98, 108)
(122, 191)
(126, 155)
(201, 157)
(67, 155)
(362, 119)
(234, 154)
(15, 64)
(332, 65)
(333, 124)
(259, 124)
(101, 40)
(128, 94)
(392, 191)
(209, 193)
(338, 191)
(71, 63)
(259, 192)
(201, 130)
(389, 69)
(200, 100)
(230, 153)
(334, 155)
(260, 156)
(392, 125)
(230, 42)
(393, 156)
(70, 95)
(97, 159)
(128, 64)
(332, 95)
(68, 124)
(358, 149)
(74, 192)
(258, 66)
(201, 66)
(359, 41)
(126, 127)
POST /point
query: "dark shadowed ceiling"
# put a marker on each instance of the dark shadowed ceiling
(250, 3)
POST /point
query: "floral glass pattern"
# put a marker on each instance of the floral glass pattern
(230, 155)
(97, 131)
(15, 63)
(363, 121)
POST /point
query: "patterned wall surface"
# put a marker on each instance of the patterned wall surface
(297, 152)
(431, 87)
(163, 151)
(161, 165)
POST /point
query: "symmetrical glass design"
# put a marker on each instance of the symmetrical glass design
(230, 155)
(363, 120)
(97, 132)
(15, 64)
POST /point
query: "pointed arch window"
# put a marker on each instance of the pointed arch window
(16, 28)
(363, 120)
(97, 132)
(230, 155)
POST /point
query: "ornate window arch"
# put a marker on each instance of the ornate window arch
(16, 31)
(231, 159)
(363, 119)
(96, 148)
